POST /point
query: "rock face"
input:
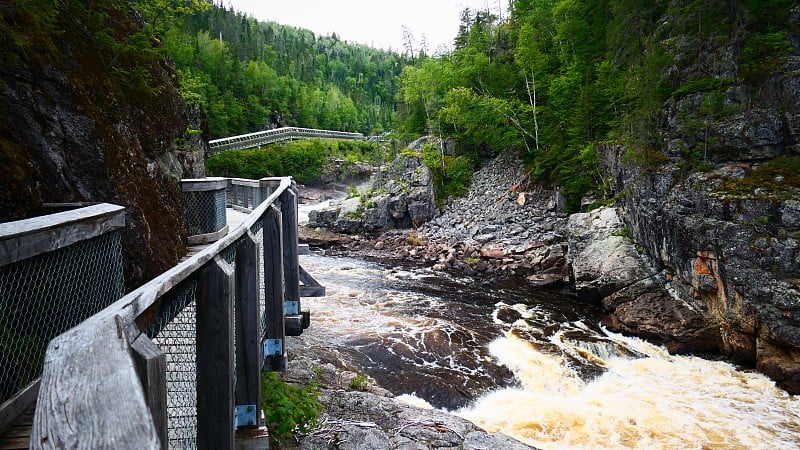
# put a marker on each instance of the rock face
(730, 248)
(73, 129)
(401, 196)
(606, 265)
(603, 259)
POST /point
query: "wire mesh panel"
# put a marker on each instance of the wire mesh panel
(174, 330)
(205, 211)
(46, 295)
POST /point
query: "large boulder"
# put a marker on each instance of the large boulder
(602, 253)
(607, 265)
(401, 196)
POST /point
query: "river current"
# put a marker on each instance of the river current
(535, 365)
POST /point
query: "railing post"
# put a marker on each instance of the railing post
(215, 356)
(205, 202)
(151, 365)
(295, 321)
(248, 359)
(274, 335)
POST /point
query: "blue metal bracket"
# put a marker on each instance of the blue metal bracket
(291, 307)
(273, 347)
(244, 415)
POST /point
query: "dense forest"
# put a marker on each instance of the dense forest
(249, 75)
(558, 77)
(553, 79)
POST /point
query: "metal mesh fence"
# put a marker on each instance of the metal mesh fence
(245, 196)
(205, 211)
(47, 295)
(174, 330)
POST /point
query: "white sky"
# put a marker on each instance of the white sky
(378, 23)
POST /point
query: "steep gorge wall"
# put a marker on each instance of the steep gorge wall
(80, 123)
(727, 233)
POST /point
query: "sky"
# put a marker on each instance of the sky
(378, 23)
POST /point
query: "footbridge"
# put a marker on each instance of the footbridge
(259, 138)
(175, 363)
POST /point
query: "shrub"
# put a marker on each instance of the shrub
(359, 382)
(289, 409)
(451, 174)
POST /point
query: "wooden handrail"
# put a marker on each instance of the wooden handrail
(91, 395)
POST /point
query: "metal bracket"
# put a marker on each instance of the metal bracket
(273, 347)
(291, 307)
(244, 415)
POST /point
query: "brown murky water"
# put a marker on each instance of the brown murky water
(534, 364)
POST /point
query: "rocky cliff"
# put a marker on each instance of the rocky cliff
(85, 120)
(715, 208)
(401, 195)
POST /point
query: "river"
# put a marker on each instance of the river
(535, 365)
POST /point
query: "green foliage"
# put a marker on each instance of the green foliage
(777, 179)
(624, 232)
(702, 85)
(763, 54)
(561, 76)
(289, 409)
(249, 75)
(352, 191)
(301, 159)
(451, 174)
(359, 382)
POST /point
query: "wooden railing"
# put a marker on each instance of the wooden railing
(260, 138)
(105, 383)
(55, 271)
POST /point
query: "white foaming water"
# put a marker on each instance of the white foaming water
(659, 401)
(413, 400)
(641, 398)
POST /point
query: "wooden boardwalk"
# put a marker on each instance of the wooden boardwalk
(19, 435)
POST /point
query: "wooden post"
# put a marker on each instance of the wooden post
(291, 272)
(273, 284)
(215, 356)
(248, 353)
(151, 365)
(90, 395)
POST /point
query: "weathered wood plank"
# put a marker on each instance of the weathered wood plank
(151, 364)
(273, 284)
(204, 184)
(18, 405)
(24, 239)
(215, 356)
(248, 354)
(312, 291)
(310, 287)
(90, 395)
(291, 260)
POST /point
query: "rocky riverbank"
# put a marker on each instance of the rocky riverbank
(509, 227)
(505, 227)
(362, 415)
